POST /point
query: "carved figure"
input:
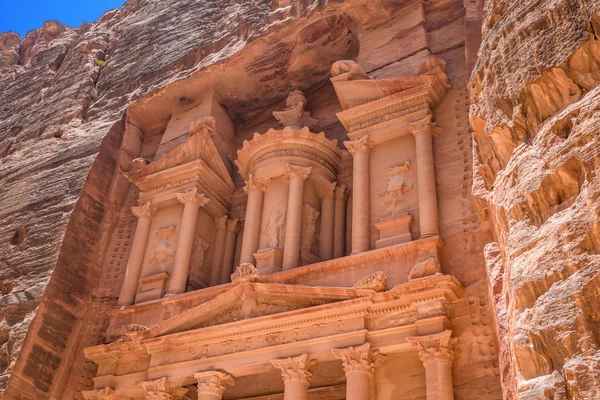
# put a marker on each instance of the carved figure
(430, 266)
(246, 272)
(294, 113)
(274, 229)
(376, 281)
(396, 188)
(344, 66)
(164, 251)
(199, 252)
(309, 228)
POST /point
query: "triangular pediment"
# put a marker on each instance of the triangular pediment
(250, 300)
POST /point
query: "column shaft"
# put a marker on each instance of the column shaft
(253, 220)
(185, 240)
(145, 214)
(361, 207)
(359, 365)
(227, 269)
(296, 376)
(436, 354)
(339, 236)
(293, 223)
(358, 386)
(326, 233)
(295, 390)
(218, 254)
(438, 377)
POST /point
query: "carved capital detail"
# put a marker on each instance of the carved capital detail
(296, 171)
(162, 389)
(294, 113)
(221, 222)
(213, 382)
(359, 360)
(106, 393)
(341, 192)
(245, 272)
(295, 369)
(377, 281)
(254, 182)
(206, 123)
(434, 348)
(193, 197)
(358, 145)
(422, 125)
(327, 190)
(232, 224)
(146, 210)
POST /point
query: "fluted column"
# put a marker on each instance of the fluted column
(339, 236)
(192, 201)
(296, 376)
(219, 249)
(293, 223)
(428, 211)
(326, 233)
(227, 269)
(437, 356)
(212, 384)
(361, 225)
(255, 187)
(359, 365)
(162, 389)
(144, 213)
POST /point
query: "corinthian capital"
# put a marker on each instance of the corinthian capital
(433, 348)
(254, 182)
(221, 222)
(205, 123)
(147, 210)
(193, 197)
(359, 360)
(295, 369)
(295, 171)
(162, 389)
(213, 382)
(232, 224)
(357, 145)
(422, 125)
(341, 192)
(105, 393)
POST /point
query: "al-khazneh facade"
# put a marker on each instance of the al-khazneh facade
(319, 280)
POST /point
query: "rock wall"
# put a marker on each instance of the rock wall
(535, 100)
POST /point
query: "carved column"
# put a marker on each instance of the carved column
(428, 211)
(359, 365)
(436, 355)
(162, 389)
(326, 233)
(212, 384)
(339, 236)
(255, 188)
(293, 224)
(219, 249)
(361, 225)
(192, 201)
(106, 393)
(145, 213)
(296, 376)
(227, 269)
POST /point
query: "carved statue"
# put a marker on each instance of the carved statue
(164, 251)
(345, 66)
(199, 251)
(395, 189)
(309, 229)
(294, 113)
(274, 228)
(430, 266)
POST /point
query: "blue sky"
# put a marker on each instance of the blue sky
(25, 15)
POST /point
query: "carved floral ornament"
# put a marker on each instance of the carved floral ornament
(297, 369)
(376, 281)
(146, 210)
(254, 182)
(341, 192)
(221, 222)
(163, 389)
(106, 393)
(359, 145)
(297, 171)
(294, 113)
(193, 196)
(434, 348)
(213, 382)
(423, 125)
(359, 360)
(246, 272)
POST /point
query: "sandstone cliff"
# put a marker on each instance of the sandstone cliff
(535, 97)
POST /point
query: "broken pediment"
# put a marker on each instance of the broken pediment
(248, 300)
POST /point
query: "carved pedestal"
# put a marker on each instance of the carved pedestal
(268, 261)
(152, 287)
(393, 230)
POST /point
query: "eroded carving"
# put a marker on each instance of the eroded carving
(164, 252)
(376, 281)
(396, 188)
(246, 272)
(294, 114)
(309, 229)
(274, 228)
(163, 389)
(430, 266)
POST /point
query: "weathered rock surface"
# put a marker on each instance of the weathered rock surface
(66, 98)
(535, 99)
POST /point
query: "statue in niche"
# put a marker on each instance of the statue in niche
(396, 188)
(200, 247)
(274, 228)
(309, 227)
(164, 251)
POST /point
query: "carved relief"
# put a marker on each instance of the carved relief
(147, 210)
(105, 393)
(309, 229)
(164, 252)
(355, 71)
(396, 188)
(376, 281)
(206, 124)
(274, 228)
(213, 383)
(162, 389)
(430, 266)
(246, 272)
(359, 360)
(297, 369)
(294, 113)
(434, 348)
(198, 253)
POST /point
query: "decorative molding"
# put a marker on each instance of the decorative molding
(434, 348)
(254, 182)
(146, 210)
(245, 272)
(106, 393)
(357, 145)
(297, 369)
(377, 281)
(193, 196)
(422, 125)
(359, 360)
(163, 389)
(213, 382)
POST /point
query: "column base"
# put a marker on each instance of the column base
(393, 230)
(307, 258)
(152, 287)
(269, 261)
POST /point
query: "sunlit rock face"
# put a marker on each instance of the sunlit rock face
(535, 95)
(162, 109)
